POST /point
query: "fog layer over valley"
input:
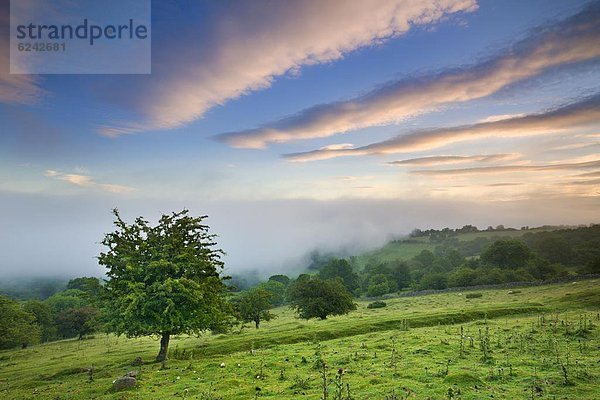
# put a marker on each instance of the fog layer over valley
(61, 234)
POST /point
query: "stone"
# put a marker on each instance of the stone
(137, 362)
(125, 382)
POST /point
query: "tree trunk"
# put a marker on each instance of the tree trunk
(164, 346)
(257, 322)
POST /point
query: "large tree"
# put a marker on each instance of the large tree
(163, 280)
(253, 306)
(313, 297)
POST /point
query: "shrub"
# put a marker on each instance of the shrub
(473, 295)
(377, 304)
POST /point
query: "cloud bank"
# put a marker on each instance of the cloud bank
(243, 47)
(585, 113)
(574, 40)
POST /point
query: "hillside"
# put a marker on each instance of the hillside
(541, 341)
(407, 248)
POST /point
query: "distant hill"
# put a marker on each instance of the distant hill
(469, 243)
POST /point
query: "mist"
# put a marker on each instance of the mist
(44, 235)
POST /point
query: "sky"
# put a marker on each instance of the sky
(303, 125)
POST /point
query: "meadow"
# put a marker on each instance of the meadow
(539, 342)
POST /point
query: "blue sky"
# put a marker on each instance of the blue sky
(301, 125)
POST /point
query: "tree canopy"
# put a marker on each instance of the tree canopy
(17, 326)
(510, 253)
(340, 268)
(253, 306)
(313, 297)
(163, 280)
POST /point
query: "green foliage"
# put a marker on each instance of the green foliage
(17, 326)
(382, 278)
(433, 280)
(400, 272)
(164, 279)
(377, 304)
(592, 267)
(318, 298)
(340, 268)
(510, 253)
(284, 279)
(380, 284)
(43, 317)
(60, 302)
(425, 258)
(276, 291)
(78, 321)
(253, 305)
(73, 313)
(462, 277)
(473, 295)
(89, 285)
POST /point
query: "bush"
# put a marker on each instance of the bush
(378, 289)
(473, 295)
(377, 304)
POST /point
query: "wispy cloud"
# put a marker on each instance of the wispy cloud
(503, 184)
(510, 168)
(87, 181)
(494, 118)
(244, 48)
(438, 160)
(585, 113)
(591, 182)
(589, 175)
(571, 41)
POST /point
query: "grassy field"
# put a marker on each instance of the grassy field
(540, 342)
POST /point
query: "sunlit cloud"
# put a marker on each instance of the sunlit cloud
(341, 146)
(244, 48)
(86, 181)
(585, 113)
(503, 184)
(509, 168)
(439, 160)
(576, 146)
(589, 174)
(494, 118)
(591, 182)
(79, 180)
(572, 41)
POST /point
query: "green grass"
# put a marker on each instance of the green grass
(395, 251)
(525, 352)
